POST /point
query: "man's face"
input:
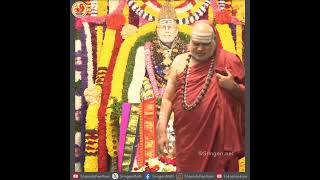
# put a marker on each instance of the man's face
(167, 32)
(202, 51)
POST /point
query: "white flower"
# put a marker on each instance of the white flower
(77, 167)
(77, 76)
(77, 138)
(78, 102)
(153, 162)
(128, 30)
(77, 45)
(92, 94)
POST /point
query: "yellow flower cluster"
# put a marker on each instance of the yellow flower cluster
(126, 12)
(185, 28)
(148, 92)
(121, 62)
(102, 7)
(226, 37)
(242, 165)
(155, 12)
(99, 42)
(210, 14)
(91, 164)
(107, 48)
(111, 143)
(239, 5)
(239, 43)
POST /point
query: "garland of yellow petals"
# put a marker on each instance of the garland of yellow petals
(121, 62)
(226, 37)
(239, 43)
(155, 13)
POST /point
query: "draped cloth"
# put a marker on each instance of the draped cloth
(210, 138)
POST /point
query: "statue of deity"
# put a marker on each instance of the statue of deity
(148, 83)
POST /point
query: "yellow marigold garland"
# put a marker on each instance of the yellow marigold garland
(99, 42)
(185, 28)
(107, 48)
(239, 5)
(239, 43)
(226, 37)
(155, 12)
(91, 164)
(126, 13)
(102, 7)
(242, 165)
(210, 14)
(121, 62)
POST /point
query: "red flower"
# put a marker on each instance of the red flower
(223, 17)
(156, 168)
(115, 21)
(78, 23)
(147, 169)
(135, 168)
(162, 159)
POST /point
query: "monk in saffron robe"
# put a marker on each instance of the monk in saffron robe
(205, 91)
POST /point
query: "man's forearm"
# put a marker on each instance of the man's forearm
(164, 115)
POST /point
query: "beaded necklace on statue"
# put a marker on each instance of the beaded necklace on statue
(163, 57)
(203, 91)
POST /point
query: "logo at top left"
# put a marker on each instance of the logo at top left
(79, 9)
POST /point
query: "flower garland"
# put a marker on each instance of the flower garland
(239, 7)
(77, 102)
(160, 62)
(131, 137)
(113, 5)
(129, 56)
(226, 37)
(104, 122)
(158, 164)
(94, 50)
(84, 85)
(242, 165)
(183, 35)
(114, 127)
(102, 7)
(105, 54)
(137, 79)
(89, 54)
(123, 131)
(233, 33)
(94, 7)
(128, 30)
(211, 14)
(147, 13)
(99, 44)
(126, 13)
(111, 134)
(239, 43)
(147, 89)
(149, 66)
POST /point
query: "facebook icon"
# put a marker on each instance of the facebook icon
(147, 176)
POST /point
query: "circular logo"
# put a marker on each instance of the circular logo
(115, 175)
(79, 9)
(179, 176)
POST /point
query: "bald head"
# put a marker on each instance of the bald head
(202, 31)
(203, 41)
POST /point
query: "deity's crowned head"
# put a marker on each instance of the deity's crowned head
(167, 27)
